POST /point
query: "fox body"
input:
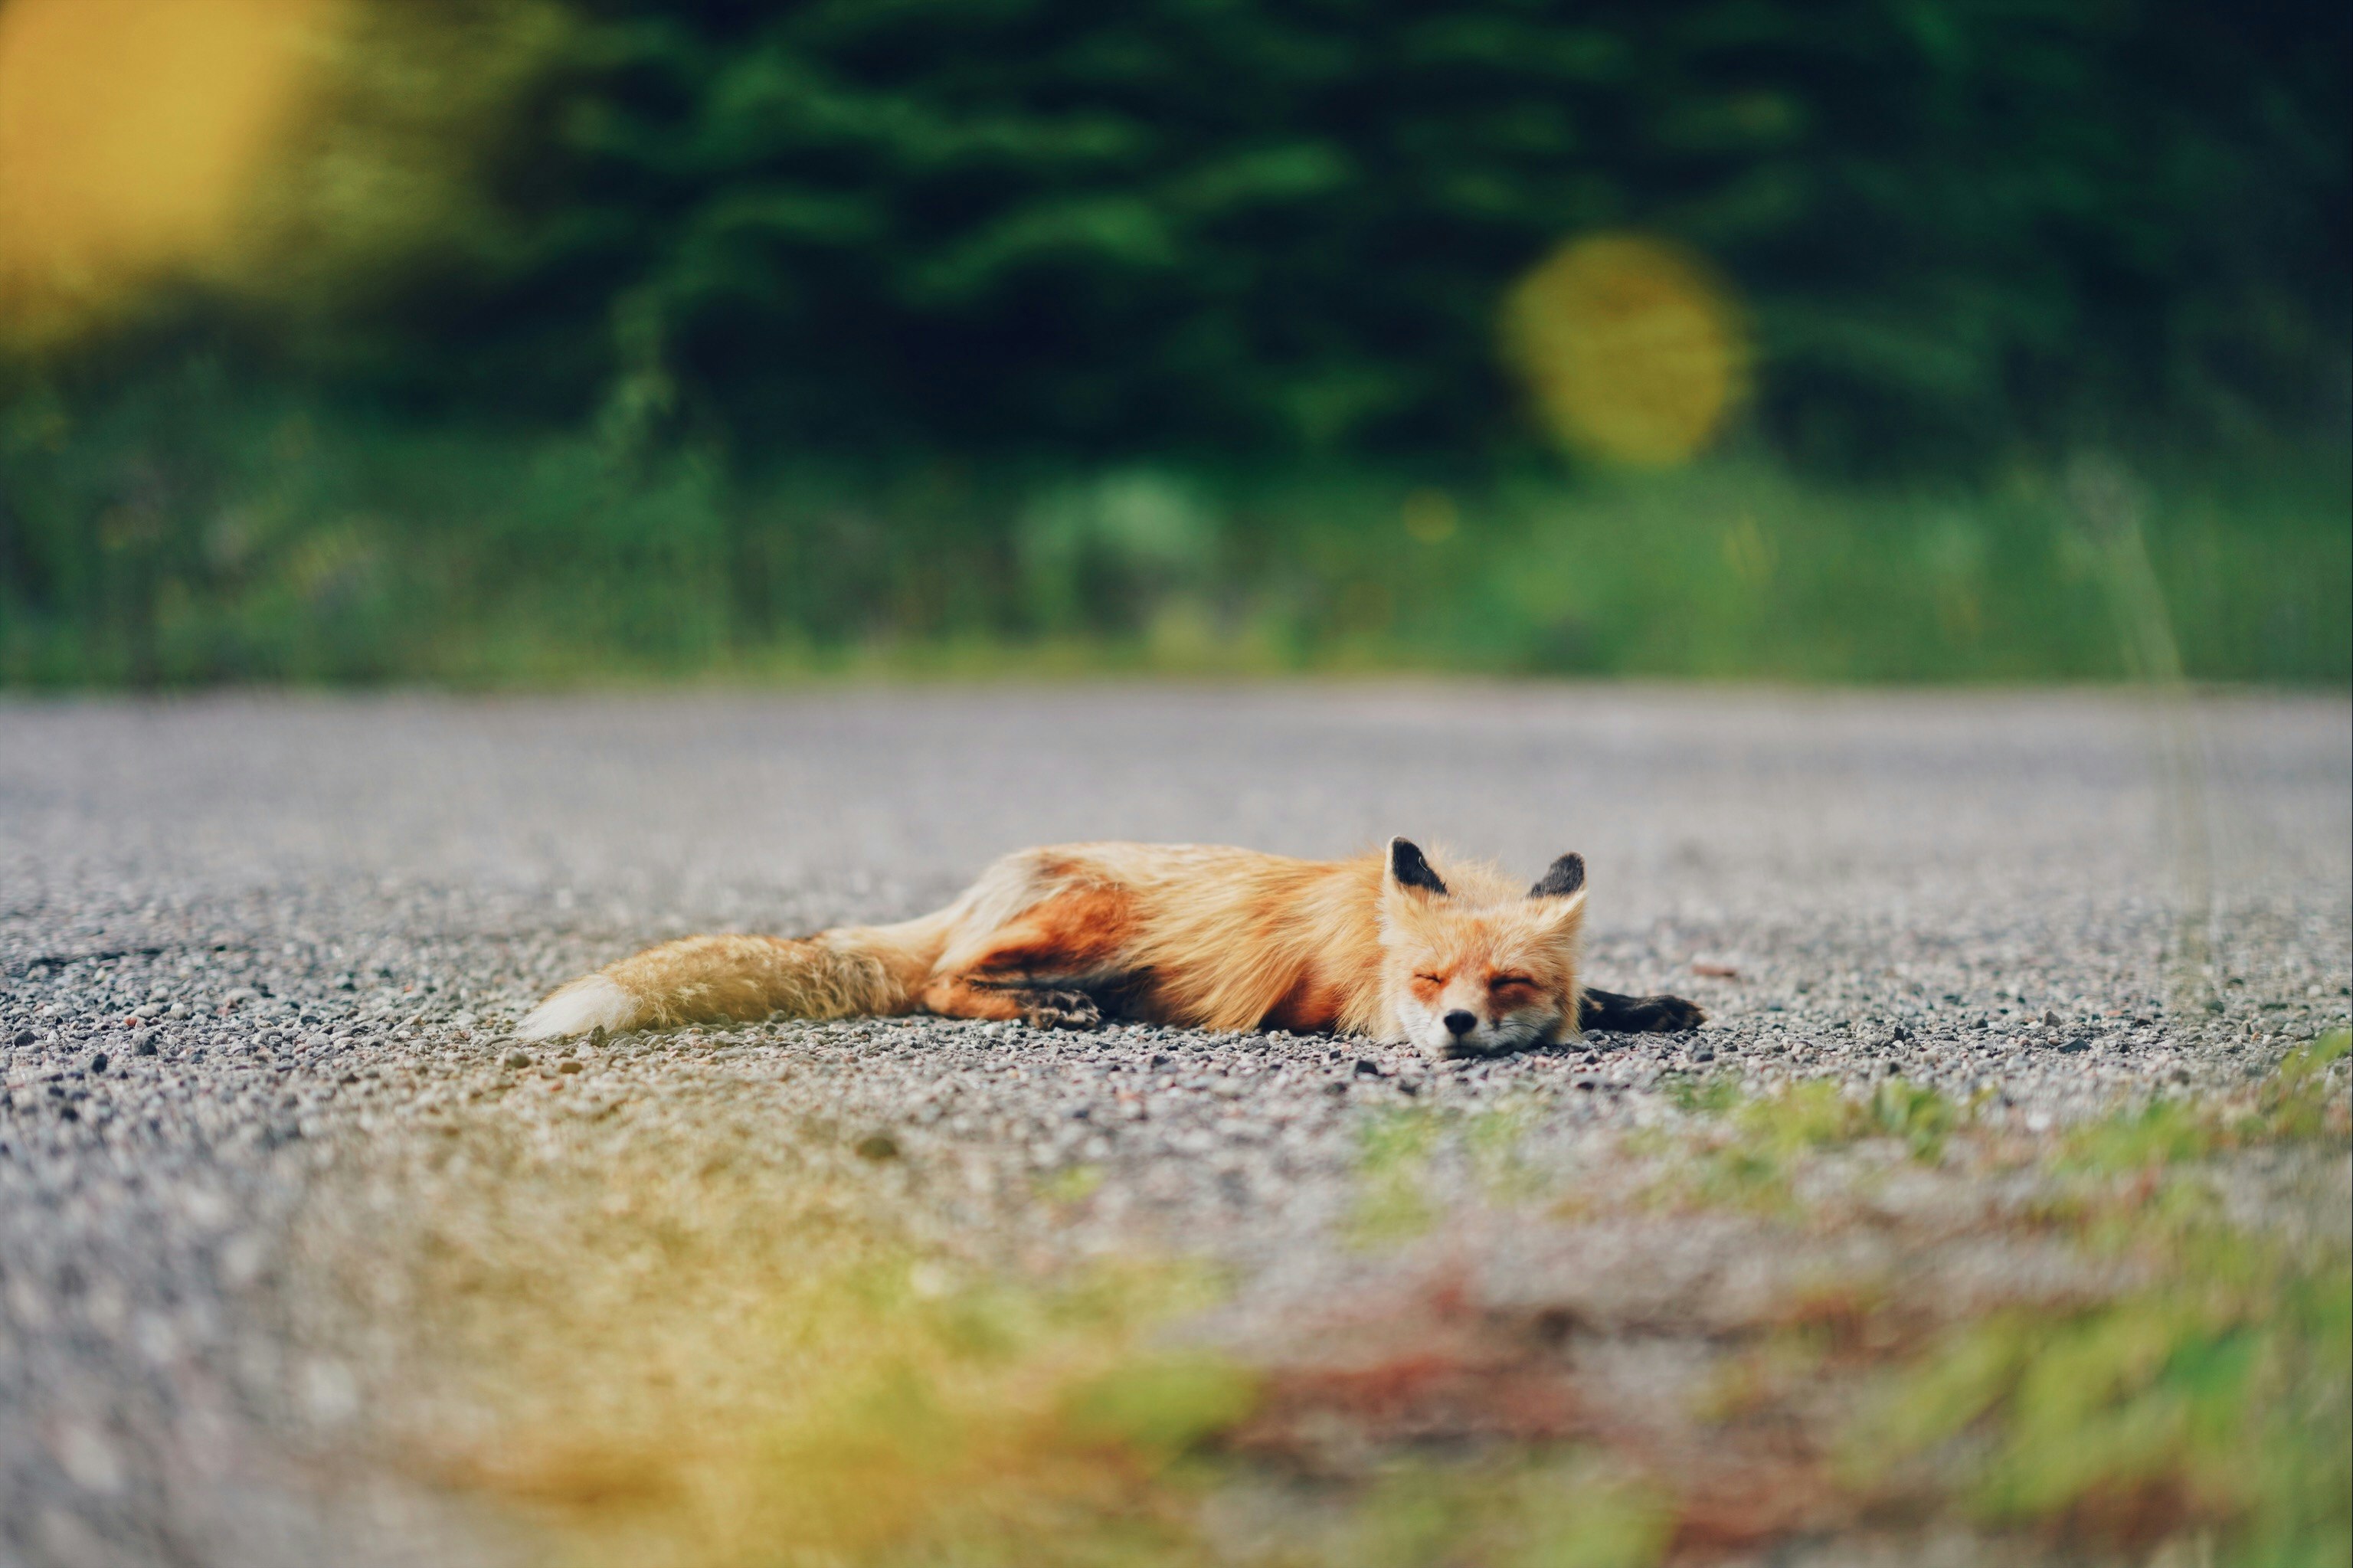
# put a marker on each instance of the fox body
(1466, 962)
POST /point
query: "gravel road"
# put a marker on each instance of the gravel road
(245, 942)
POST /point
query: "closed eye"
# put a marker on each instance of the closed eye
(1499, 981)
(1432, 979)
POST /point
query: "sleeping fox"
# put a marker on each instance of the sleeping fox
(1460, 964)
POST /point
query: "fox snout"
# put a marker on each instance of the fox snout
(1462, 1023)
(1471, 1033)
(1464, 1014)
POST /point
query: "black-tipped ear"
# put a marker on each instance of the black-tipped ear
(1564, 877)
(1410, 870)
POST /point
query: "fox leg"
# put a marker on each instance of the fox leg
(1606, 1009)
(1041, 1007)
(1042, 968)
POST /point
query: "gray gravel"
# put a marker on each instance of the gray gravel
(243, 940)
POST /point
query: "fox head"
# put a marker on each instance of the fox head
(1480, 968)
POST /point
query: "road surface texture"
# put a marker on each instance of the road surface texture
(256, 953)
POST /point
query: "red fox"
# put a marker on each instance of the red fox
(1462, 964)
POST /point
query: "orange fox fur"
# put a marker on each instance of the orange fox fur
(1466, 962)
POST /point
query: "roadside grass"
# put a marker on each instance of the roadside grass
(1394, 1151)
(2215, 1398)
(748, 1358)
(757, 1357)
(2215, 1401)
(1749, 1151)
(282, 542)
(1556, 1511)
(2291, 1102)
(2210, 1401)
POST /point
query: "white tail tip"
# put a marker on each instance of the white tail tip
(579, 1007)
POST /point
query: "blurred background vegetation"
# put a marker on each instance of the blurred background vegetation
(532, 341)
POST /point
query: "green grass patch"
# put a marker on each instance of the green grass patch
(1393, 1203)
(1397, 1149)
(2214, 1398)
(2217, 1398)
(1696, 1096)
(1565, 1511)
(1751, 1156)
(1071, 1184)
(2293, 1102)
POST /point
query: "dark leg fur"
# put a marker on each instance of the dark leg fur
(1056, 1008)
(1606, 1009)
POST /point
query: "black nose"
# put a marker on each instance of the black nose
(1460, 1022)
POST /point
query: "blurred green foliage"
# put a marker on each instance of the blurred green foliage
(1395, 1150)
(2293, 1102)
(190, 532)
(1753, 1159)
(597, 338)
(1284, 224)
(1548, 1511)
(2216, 1393)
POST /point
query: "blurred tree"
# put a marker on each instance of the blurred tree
(1268, 226)
(1287, 224)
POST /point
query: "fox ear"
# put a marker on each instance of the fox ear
(1408, 869)
(1564, 876)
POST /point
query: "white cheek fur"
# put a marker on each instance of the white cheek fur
(1528, 1026)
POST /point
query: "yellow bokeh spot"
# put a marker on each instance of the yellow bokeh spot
(132, 135)
(1633, 349)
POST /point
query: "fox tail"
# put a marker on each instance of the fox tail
(856, 971)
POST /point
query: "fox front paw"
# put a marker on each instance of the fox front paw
(1670, 1016)
(1617, 1014)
